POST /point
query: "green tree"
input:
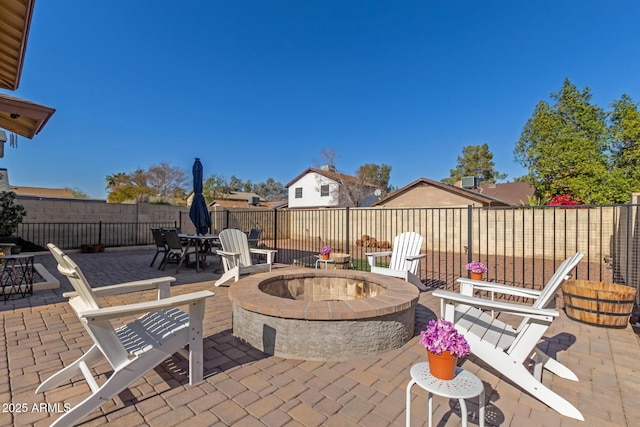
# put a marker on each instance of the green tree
(77, 193)
(214, 187)
(376, 174)
(270, 189)
(162, 181)
(120, 188)
(564, 146)
(476, 160)
(625, 141)
(129, 193)
(217, 187)
(353, 191)
(116, 180)
(235, 183)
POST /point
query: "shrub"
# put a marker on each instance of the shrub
(11, 214)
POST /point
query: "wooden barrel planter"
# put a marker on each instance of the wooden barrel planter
(597, 303)
(98, 247)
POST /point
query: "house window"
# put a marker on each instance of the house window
(324, 190)
(298, 192)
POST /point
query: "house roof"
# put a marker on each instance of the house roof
(240, 199)
(241, 204)
(337, 177)
(15, 21)
(62, 193)
(23, 117)
(514, 193)
(242, 195)
(17, 115)
(472, 195)
(236, 195)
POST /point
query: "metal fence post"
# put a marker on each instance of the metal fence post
(275, 230)
(100, 232)
(346, 217)
(469, 234)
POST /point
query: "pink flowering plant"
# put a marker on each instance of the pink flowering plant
(441, 335)
(325, 250)
(477, 267)
(563, 200)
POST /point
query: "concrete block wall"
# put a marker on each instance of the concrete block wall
(86, 211)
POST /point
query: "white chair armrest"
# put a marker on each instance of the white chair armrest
(107, 313)
(127, 287)
(228, 254)
(415, 257)
(479, 285)
(263, 251)
(378, 254)
(270, 253)
(545, 314)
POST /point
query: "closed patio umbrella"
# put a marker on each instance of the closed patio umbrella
(199, 213)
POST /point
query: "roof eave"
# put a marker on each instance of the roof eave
(22, 19)
(23, 117)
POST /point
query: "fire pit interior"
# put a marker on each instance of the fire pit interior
(323, 314)
(322, 288)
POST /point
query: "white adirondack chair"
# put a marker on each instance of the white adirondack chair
(405, 259)
(135, 348)
(506, 349)
(236, 256)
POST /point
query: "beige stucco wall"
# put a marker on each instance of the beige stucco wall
(529, 232)
(429, 196)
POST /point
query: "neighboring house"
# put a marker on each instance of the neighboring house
(239, 199)
(425, 192)
(513, 193)
(317, 188)
(55, 193)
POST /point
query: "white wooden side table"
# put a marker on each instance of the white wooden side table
(463, 386)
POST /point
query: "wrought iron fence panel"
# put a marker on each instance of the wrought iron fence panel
(520, 245)
(74, 235)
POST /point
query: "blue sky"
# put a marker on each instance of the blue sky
(258, 88)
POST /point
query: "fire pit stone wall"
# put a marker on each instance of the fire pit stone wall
(323, 314)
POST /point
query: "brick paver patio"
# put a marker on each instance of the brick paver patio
(245, 387)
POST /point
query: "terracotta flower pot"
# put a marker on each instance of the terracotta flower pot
(476, 276)
(443, 366)
(325, 256)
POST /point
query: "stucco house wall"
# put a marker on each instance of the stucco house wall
(311, 195)
(428, 193)
(429, 197)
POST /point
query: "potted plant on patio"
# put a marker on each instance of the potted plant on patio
(11, 215)
(477, 269)
(444, 345)
(325, 251)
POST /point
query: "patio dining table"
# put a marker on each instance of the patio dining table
(197, 241)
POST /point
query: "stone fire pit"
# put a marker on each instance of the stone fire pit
(317, 314)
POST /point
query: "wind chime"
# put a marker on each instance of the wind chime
(13, 141)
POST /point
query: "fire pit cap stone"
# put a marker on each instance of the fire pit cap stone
(398, 295)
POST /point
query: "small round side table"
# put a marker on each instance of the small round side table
(326, 262)
(463, 386)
